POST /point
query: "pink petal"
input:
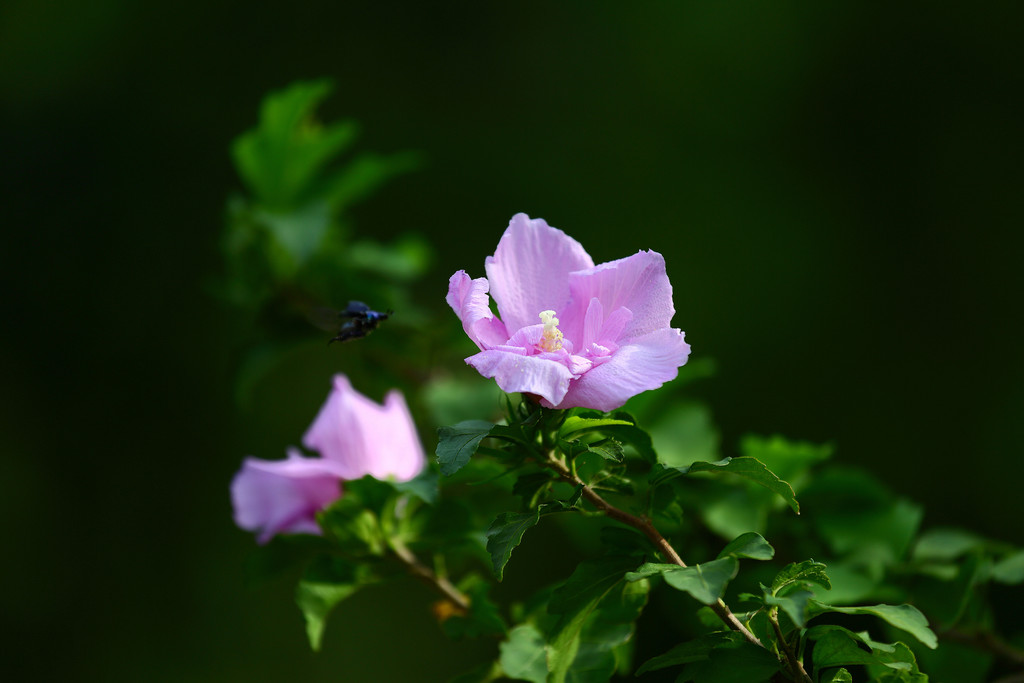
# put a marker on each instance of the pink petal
(468, 298)
(638, 283)
(530, 269)
(642, 364)
(514, 372)
(274, 497)
(402, 455)
(364, 437)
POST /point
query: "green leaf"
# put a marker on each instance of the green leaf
(800, 574)
(856, 515)
(598, 611)
(746, 467)
(838, 676)
(1010, 569)
(733, 662)
(456, 444)
(837, 648)
(750, 545)
(523, 655)
(424, 486)
(794, 605)
(705, 582)
(591, 578)
(328, 581)
(619, 425)
(790, 460)
(505, 533)
(574, 425)
(690, 651)
(945, 544)
(904, 617)
(507, 529)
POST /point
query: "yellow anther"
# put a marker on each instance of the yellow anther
(552, 340)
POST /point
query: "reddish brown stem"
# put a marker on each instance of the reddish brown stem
(647, 529)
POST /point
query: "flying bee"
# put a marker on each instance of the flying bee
(355, 322)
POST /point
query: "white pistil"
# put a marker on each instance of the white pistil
(552, 340)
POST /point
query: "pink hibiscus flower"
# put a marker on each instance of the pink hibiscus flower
(570, 332)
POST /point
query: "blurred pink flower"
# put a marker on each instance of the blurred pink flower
(363, 437)
(355, 437)
(573, 333)
(283, 496)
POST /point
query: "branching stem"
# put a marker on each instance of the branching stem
(795, 666)
(647, 529)
(425, 574)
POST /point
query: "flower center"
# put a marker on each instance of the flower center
(552, 340)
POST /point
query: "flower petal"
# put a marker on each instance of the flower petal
(364, 437)
(643, 363)
(273, 497)
(530, 268)
(514, 372)
(468, 298)
(402, 455)
(638, 282)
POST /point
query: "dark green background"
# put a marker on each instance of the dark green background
(836, 190)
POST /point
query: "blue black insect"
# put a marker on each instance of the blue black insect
(355, 322)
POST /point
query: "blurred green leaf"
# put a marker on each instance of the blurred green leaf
(328, 581)
(745, 467)
(524, 655)
(904, 617)
(857, 516)
(749, 545)
(945, 544)
(1010, 569)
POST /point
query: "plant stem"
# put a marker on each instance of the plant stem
(796, 667)
(644, 526)
(420, 571)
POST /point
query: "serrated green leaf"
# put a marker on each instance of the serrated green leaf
(746, 467)
(904, 617)
(456, 444)
(800, 574)
(1010, 569)
(507, 529)
(523, 655)
(705, 582)
(505, 533)
(749, 545)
